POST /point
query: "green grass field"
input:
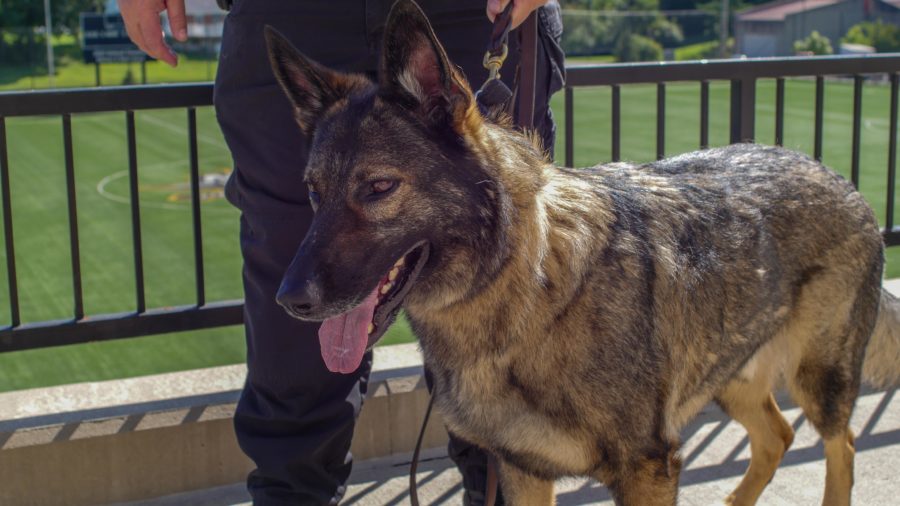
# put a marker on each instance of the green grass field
(77, 74)
(41, 233)
(71, 71)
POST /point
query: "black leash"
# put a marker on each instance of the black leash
(494, 92)
(414, 465)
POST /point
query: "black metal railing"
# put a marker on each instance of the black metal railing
(742, 76)
(142, 321)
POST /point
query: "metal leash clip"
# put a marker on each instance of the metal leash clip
(493, 63)
(493, 92)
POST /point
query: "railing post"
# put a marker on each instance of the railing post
(743, 114)
(616, 126)
(820, 118)
(570, 127)
(195, 207)
(704, 114)
(779, 111)
(892, 153)
(6, 201)
(74, 243)
(135, 202)
(660, 121)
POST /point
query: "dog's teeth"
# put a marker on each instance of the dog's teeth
(371, 328)
(400, 262)
(386, 288)
(393, 274)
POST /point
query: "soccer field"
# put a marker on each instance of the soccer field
(41, 223)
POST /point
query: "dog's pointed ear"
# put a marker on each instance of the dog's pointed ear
(311, 87)
(415, 67)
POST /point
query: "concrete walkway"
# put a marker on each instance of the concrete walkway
(715, 454)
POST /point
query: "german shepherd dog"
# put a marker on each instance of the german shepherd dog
(575, 320)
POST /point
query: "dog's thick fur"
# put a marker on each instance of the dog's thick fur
(576, 320)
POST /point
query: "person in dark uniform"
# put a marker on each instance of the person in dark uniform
(295, 418)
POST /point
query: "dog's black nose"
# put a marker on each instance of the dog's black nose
(299, 299)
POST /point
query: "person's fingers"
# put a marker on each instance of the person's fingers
(495, 7)
(177, 19)
(130, 17)
(519, 15)
(151, 32)
(142, 24)
(522, 9)
(134, 33)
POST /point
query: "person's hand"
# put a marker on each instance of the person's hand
(521, 9)
(142, 22)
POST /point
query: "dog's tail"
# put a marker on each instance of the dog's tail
(881, 367)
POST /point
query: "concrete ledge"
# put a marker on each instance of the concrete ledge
(131, 439)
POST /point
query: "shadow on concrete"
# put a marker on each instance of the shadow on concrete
(439, 482)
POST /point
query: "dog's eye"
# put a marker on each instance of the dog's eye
(313, 195)
(382, 186)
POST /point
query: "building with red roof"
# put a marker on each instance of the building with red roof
(771, 29)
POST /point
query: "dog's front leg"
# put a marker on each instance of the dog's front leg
(523, 489)
(651, 481)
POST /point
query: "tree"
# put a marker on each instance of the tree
(639, 34)
(22, 26)
(638, 48)
(66, 13)
(18, 36)
(666, 33)
(815, 44)
(883, 37)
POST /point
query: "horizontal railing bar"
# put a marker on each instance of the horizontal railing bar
(106, 99)
(727, 70)
(891, 238)
(121, 325)
(156, 96)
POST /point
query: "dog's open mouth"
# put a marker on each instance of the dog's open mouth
(345, 338)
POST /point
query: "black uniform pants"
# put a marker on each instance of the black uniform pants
(295, 418)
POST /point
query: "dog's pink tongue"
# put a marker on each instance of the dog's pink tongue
(343, 339)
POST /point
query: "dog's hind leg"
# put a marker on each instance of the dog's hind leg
(839, 452)
(825, 378)
(751, 404)
(523, 489)
(827, 395)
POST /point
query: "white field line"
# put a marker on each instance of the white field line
(149, 118)
(102, 184)
(141, 116)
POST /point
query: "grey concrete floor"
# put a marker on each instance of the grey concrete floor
(715, 454)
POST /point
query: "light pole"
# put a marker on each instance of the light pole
(49, 35)
(723, 30)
